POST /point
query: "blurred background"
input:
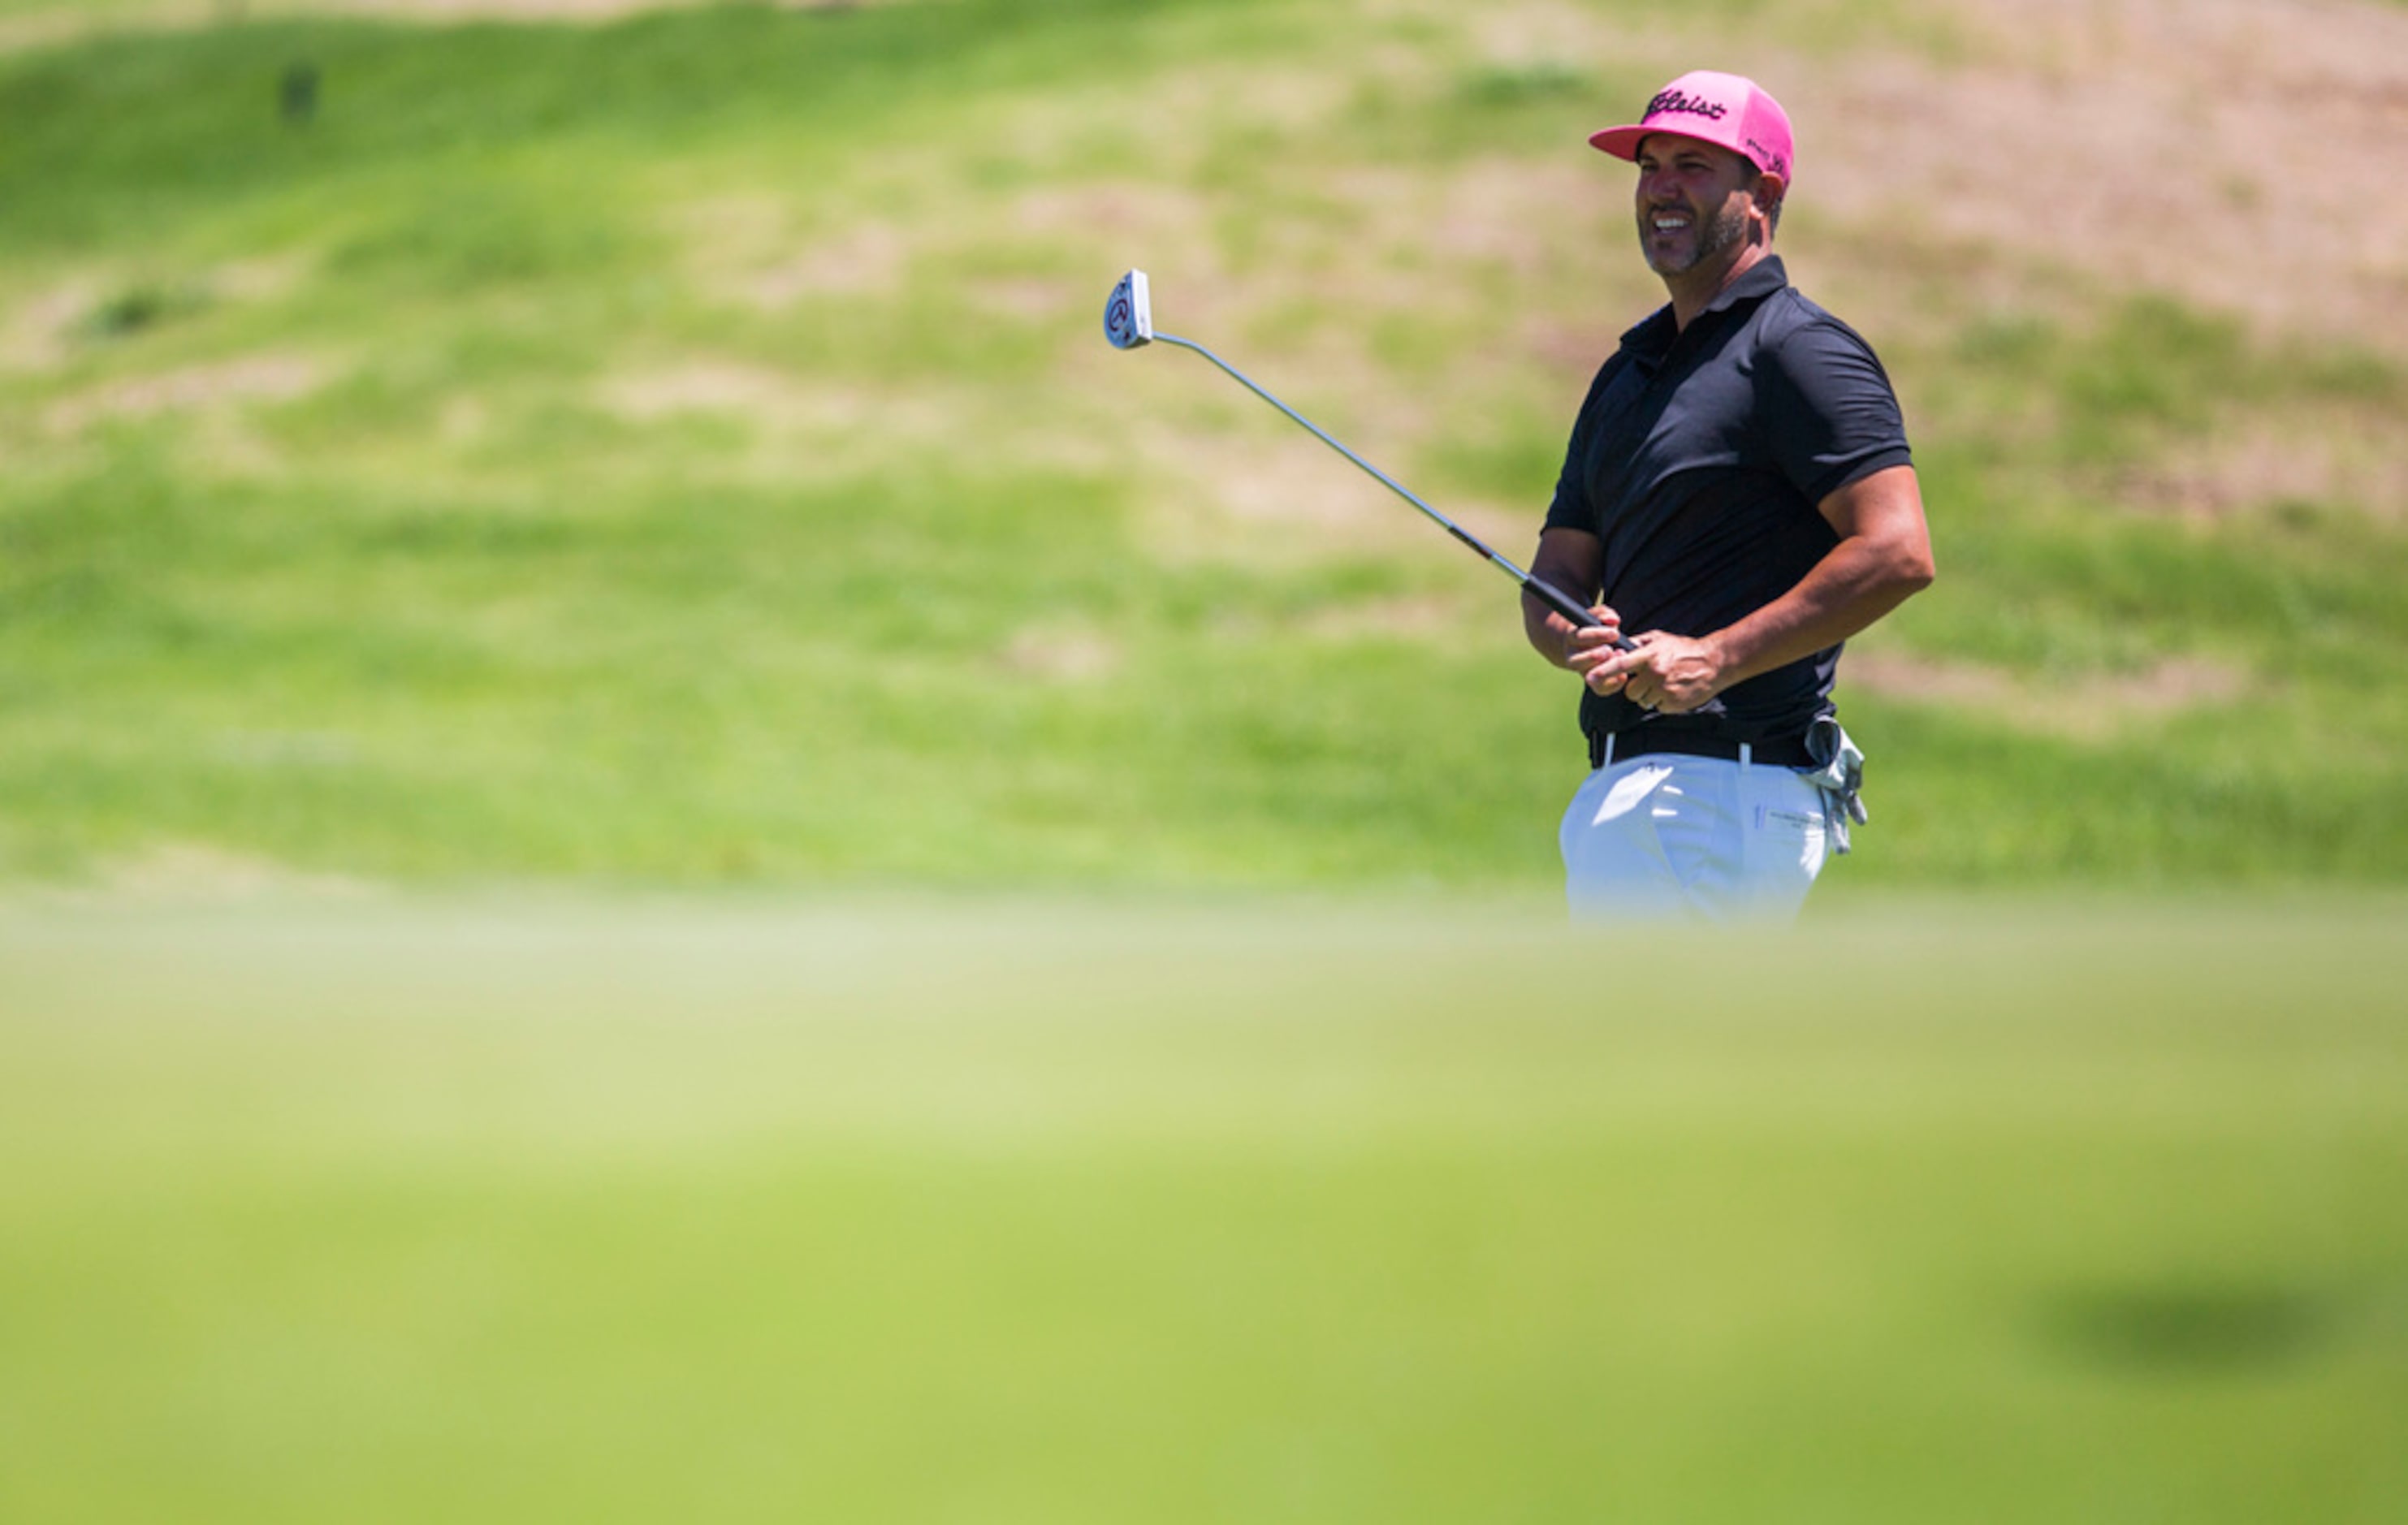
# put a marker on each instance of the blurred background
(665, 846)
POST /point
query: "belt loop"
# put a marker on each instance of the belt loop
(1746, 754)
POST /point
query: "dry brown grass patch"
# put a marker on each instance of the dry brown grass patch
(272, 379)
(2255, 463)
(1060, 656)
(192, 873)
(2086, 709)
(1265, 500)
(775, 399)
(38, 330)
(802, 426)
(1423, 618)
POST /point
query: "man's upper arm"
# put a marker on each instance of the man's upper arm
(1886, 510)
(1572, 560)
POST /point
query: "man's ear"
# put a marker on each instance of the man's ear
(1770, 191)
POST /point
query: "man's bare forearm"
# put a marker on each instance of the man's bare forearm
(1882, 559)
(1855, 584)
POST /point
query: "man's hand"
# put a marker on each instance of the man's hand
(1670, 674)
(1581, 648)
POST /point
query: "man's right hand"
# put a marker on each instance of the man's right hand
(1582, 648)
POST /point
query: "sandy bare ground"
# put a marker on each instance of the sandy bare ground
(2229, 152)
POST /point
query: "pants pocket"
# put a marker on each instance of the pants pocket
(1788, 837)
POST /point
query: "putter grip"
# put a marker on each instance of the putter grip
(1571, 609)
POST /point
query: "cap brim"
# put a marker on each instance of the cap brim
(1621, 142)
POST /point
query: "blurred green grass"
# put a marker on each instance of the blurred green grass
(1003, 1212)
(678, 452)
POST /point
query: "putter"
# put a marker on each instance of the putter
(1128, 322)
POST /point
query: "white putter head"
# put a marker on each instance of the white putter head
(1128, 318)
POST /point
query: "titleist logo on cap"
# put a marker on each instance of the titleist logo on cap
(1675, 102)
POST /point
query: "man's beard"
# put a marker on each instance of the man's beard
(1725, 228)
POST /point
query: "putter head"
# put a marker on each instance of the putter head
(1128, 318)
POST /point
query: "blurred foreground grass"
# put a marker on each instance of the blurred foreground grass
(997, 1213)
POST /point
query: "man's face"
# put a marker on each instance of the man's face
(1693, 200)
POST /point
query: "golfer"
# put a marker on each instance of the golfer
(1737, 498)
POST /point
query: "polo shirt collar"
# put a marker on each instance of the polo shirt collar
(1655, 335)
(1764, 277)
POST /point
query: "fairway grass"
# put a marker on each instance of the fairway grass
(1236, 1213)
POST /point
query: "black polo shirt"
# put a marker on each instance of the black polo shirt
(1698, 460)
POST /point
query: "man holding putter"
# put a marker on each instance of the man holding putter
(1738, 499)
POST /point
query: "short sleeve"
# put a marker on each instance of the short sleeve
(1830, 414)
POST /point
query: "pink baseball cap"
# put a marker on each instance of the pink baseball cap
(1724, 109)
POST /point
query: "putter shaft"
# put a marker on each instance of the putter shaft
(1561, 602)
